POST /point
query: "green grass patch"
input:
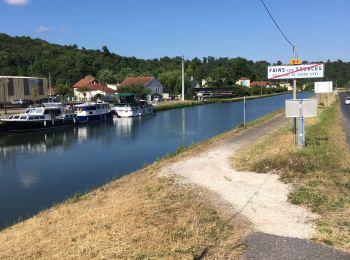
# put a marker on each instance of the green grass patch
(319, 172)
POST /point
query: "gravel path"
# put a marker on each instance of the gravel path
(262, 198)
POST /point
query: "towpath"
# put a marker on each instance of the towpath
(281, 228)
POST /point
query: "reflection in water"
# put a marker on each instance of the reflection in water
(82, 134)
(38, 169)
(124, 126)
(27, 179)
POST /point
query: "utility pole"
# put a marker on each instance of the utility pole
(50, 84)
(5, 82)
(294, 97)
(183, 79)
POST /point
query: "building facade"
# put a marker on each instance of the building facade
(88, 87)
(149, 82)
(245, 82)
(17, 87)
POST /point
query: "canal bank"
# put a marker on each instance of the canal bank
(80, 158)
(167, 105)
(138, 216)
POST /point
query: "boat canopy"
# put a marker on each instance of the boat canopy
(125, 94)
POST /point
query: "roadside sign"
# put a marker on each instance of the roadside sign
(301, 108)
(324, 87)
(295, 71)
(309, 108)
(295, 61)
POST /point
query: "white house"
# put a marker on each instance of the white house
(243, 82)
(149, 82)
(85, 89)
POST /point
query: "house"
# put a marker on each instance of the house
(266, 84)
(149, 82)
(18, 87)
(88, 87)
(286, 85)
(245, 82)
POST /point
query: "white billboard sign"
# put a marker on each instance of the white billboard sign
(295, 71)
(308, 107)
(324, 87)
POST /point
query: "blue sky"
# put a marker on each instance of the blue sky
(194, 28)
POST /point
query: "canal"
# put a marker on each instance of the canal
(43, 168)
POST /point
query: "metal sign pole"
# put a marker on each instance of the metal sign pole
(294, 122)
(244, 107)
(301, 138)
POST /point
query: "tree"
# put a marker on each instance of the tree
(172, 81)
(124, 73)
(139, 90)
(106, 76)
(64, 90)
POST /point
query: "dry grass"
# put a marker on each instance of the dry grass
(319, 173)
(139, 216)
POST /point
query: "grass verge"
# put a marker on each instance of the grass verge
(319, 173)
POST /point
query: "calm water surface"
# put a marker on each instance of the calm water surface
(40, 169)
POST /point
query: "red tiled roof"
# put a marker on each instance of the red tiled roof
(260, 83)
(51, 91)
(84, 82)
(94, 87)
(136, 81)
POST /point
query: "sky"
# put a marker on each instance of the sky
(194, 28)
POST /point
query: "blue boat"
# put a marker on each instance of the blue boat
(89, 112)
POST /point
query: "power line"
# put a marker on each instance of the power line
(285, 37)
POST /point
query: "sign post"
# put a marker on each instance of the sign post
(324, 87)
(301, 108)
(244, 107)
(296, 71)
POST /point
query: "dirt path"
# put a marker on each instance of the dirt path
(262, 198)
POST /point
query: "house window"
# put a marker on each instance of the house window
(26, 87)
(10, 89)
(41, 87)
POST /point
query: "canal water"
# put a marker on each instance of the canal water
(43, 168)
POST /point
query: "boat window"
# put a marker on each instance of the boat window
(36, 117)
(27, 111)
(56, 112)
(89, 108)
(10, 117)
(46, 112)
(23, 117)
(39, 110)
(15, 117)
(42, 117)
(31, 118)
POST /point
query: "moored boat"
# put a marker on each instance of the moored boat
(45, 116)
(130, 106)
(88, 112)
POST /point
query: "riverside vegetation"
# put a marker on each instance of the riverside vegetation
(318, 173)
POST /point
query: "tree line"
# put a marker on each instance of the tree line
(67, 64)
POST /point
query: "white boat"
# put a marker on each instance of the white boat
(45, 116)
(91, 111)
(129, 106)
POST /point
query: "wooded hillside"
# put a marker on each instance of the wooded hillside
(67, 64)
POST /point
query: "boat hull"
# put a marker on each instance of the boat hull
(94, 118)
(28, 126)
(134, 112)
